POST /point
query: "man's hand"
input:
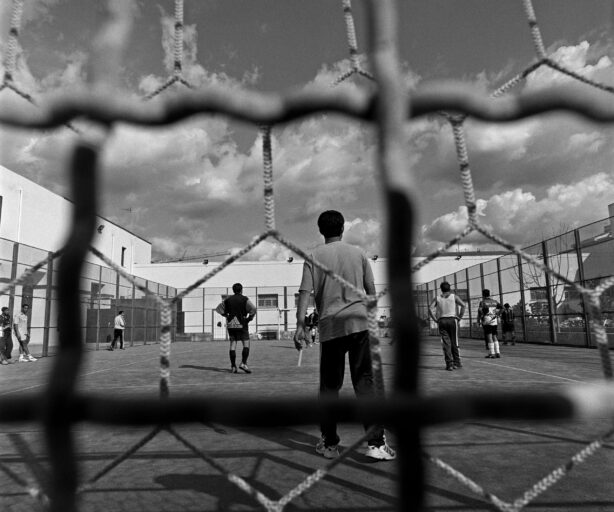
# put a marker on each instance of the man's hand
(299, 337)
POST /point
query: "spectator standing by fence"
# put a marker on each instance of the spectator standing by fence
(119, 326)
(507, 324)
(22, 333)
(6, 342)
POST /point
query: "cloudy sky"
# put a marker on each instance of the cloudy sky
(196, 187)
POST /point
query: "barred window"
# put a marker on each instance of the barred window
(268, 300)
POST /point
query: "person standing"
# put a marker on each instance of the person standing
(343, 328)
(119, 326)
(488, 309)
(446, 310)
(312, 322)
(507, 325)
(239, 311)
(22, 333)
(6, 342)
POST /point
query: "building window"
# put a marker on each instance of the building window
(123, 257)
(268, 301)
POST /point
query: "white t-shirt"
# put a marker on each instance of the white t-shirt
(119, 322)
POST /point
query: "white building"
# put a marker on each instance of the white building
(272, 286)
(34, 216)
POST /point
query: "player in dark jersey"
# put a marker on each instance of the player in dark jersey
(488, 317)
(239, 312)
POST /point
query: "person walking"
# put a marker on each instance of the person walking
(239, 311)
(488, 317)
(342, 327)
(6, 342)
(507, 325)
(446, 310)
(22, 333)
(119, 326)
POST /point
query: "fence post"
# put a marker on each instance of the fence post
(14, 265)
(523, 303)
(48, 293)
(551, 312)
(587, 329)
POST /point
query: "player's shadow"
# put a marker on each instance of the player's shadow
(206, 368)
(218, 486)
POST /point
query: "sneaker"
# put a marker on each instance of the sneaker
(233, 369)
(450, 367)
(23, 359)
(110, 349)
(458, 365)
(328, 452)
(245, 368)
(383, 452)
(490, 356)
(4, 361)
(31, 358)
(497, 356)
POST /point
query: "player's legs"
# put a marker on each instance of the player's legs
(9, 344)
(245, 352)
(453, 330)
(361, 372)
(332, 368)
(446, 342)
(3, 358)
(233, 336)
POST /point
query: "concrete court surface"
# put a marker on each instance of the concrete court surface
(506, 458)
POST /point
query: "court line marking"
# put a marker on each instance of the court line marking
(531, 371)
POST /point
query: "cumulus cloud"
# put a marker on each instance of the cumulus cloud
(266, 251)
(522, 218)
(574, 58)
(193, 72)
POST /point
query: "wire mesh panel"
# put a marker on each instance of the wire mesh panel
(388, 107)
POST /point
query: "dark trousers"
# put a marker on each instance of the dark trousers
(118, 334)
(332, 368)
(6, 344)
(449, 339)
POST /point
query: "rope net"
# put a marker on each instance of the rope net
(388, 108)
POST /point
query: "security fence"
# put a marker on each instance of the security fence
(546, 308)
(103, 292)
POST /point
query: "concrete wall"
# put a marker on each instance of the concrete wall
(32, 215)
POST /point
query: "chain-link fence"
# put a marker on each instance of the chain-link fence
(545, 307)
(103, 292)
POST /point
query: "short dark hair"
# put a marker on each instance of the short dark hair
(330, 223)
(506, 305)
(4, 308)
(237, 287)
(485, 292)
(445, 286)
(120, 311)
(25, 305)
